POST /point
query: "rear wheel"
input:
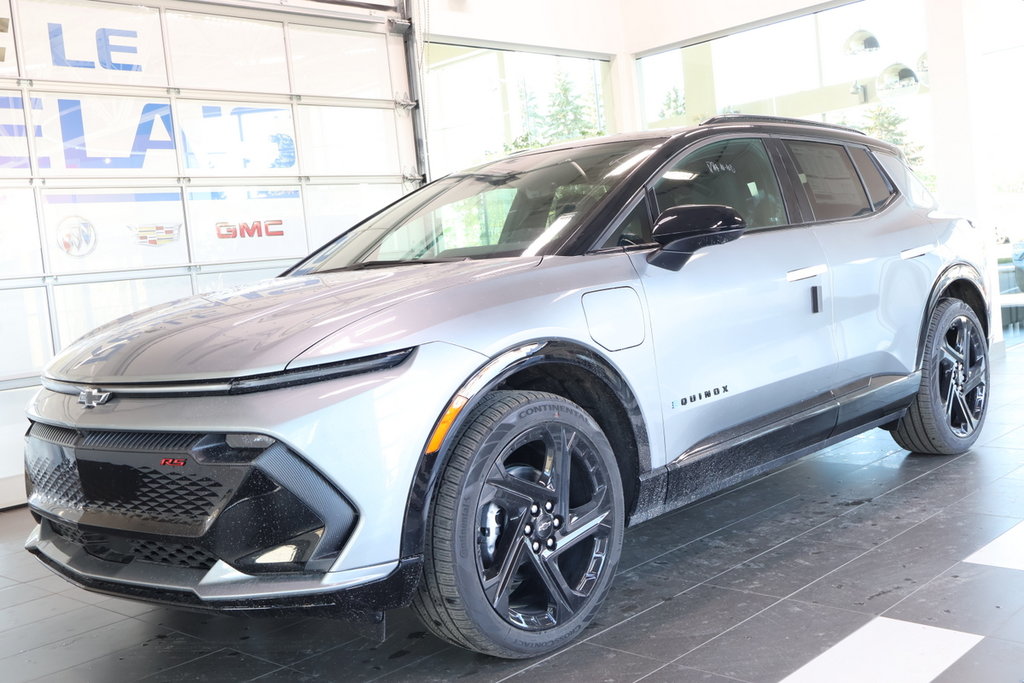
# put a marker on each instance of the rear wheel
(949, 411)
(526, 529)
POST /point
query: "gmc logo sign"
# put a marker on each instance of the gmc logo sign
(173, 462)
(230, 231)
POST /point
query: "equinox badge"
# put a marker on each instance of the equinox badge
(91, 398)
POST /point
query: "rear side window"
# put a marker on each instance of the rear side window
(829, 179)
(878, 186)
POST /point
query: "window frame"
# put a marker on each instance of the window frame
(774, 160)
(793, 178)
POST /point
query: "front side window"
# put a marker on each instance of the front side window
(829, 180)
(736, 173)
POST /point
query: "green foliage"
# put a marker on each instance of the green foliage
(673, 105)
(885, 123)
(567, 118)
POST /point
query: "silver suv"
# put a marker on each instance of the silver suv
(461, 403)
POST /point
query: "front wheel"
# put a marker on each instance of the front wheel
(949, 410)
(526, 528)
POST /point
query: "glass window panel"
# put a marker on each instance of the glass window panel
(333, 209)
(20, 254)
(786, 62)
(635, 228)
(735, 173)
(237, 139)
(101, 230)
(536, 99)
(8, 58)
(14, 161)
(348, 141)
(246, 223)
(223, 53)
(878, 187)
(339, 63)
(12, 437)
(26, 345)
(81, 308)
(103, 135)
(831, 183)
(91, 42)
(214, 282)
(663, 101)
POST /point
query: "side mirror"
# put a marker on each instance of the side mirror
(682, 230)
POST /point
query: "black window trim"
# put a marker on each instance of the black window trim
(765, 138)
(794, 179)
(639, 196)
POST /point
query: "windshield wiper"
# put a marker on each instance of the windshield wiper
(363, 265)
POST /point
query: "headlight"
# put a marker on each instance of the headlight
(241, 385)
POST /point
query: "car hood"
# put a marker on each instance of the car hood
(254, 329)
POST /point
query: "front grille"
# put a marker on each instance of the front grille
(172, 497)
(139, 441)
(55, 479)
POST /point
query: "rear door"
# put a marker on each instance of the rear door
(880, 258)
(742, 333)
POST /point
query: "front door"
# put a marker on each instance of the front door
(742, 333)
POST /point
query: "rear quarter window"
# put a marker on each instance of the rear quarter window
(878, 186)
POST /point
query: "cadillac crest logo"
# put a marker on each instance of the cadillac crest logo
(76, 236)
(155, 234)
(91, 398)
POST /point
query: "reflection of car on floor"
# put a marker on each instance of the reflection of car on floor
(462, 402)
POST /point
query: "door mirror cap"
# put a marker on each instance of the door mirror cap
(682, 230)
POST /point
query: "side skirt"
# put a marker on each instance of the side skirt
(732, 457)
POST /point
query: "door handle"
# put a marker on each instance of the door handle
(808, 272)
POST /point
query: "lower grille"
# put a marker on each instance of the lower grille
(137, 550)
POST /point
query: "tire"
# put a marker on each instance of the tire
(948, 412)
(526, 528)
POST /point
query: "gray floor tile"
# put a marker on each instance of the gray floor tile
(883, 576)
(787, 568)
(53, 630)
(674, 673)
(683, 623)
(776, 642)
(588, 663)
(991, 661)
(222, 665)
(158, 651)
(972, 598)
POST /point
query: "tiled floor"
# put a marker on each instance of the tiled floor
(857, 563)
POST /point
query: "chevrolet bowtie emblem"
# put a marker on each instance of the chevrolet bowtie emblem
(91, 398)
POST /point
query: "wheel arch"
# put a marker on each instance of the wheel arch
(559, 366)
(960, 281)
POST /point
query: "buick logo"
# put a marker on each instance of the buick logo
(76, 236)
(91, 398)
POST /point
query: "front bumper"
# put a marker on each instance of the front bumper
(335, 485)
(351, 595)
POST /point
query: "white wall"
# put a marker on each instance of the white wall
(608, 27)
(589, 26)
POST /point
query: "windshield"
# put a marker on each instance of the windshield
(512, 207)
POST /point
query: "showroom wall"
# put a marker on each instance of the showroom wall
(153, 150)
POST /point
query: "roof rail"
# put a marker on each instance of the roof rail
(764, 118)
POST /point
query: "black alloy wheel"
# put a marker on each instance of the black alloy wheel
(963, 376)
(949, 410)
(526, 528)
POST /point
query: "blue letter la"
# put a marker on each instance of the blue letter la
(76, 155)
